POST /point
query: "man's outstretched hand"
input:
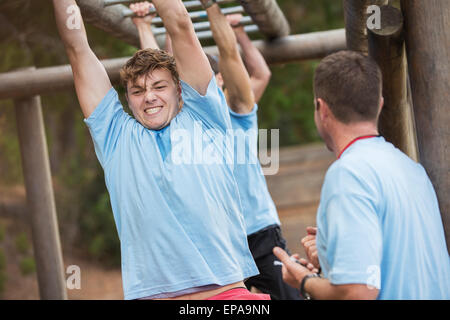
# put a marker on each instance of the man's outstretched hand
(293, 272)
(142, 9)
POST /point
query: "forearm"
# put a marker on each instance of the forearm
(222, 33)
(90, 77)
(146, 37)
(175, 17)
(70, 25)
(255, 63)
(192, 64)
(168, 45)
(253, 59)
(236, 79)
(323, 289)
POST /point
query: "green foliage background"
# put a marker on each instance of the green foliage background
(29, 38)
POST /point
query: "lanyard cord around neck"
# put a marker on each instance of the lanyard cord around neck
(356, 139)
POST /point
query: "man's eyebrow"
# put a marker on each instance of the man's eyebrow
(137, 86)
(159, 82)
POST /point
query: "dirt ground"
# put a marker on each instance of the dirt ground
(295, 190)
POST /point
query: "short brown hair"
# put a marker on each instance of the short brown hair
(351, 84)
(214, 62)
(145, 61)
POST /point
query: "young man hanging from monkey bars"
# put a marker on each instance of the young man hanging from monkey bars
(180, 224)
(243, 85)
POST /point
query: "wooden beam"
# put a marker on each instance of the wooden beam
(40, 199)
(387, 47)
(427, 36)
(268, 17)
(288, 49)
(355, 14)
(295, 48)
(110, 20)
(25, 83)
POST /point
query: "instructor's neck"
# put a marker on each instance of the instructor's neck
(343, 134)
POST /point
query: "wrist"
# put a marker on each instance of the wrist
(238, 28)
(143, 25)
(305, 285)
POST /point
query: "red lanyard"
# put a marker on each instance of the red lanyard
(356, 139)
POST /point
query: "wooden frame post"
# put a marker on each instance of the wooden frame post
(427, 36)
(387, 47)
(40, 199)
(355, 14)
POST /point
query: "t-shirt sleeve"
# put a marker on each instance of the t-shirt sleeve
(245, 121)
(106, 124)
(211, 109)
(351, 231)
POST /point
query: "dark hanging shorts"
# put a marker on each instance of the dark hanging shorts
(270, 278)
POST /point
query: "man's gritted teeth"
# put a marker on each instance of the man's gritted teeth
(153, 110)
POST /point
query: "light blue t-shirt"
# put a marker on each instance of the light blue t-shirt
(180, 224)
(258, 208)
(379, 224)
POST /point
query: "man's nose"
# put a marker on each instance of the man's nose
(150, 96)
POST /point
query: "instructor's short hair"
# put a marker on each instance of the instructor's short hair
(351, 84)
(145, 61)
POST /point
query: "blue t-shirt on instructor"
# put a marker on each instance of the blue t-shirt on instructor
(379, 224)
(180, 224)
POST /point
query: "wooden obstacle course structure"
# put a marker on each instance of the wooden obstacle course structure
(40, 198)
(387, 47)
(355, 15)
(315, 45)
(426, 37)
(112, 18)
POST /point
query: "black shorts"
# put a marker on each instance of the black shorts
(270, 278)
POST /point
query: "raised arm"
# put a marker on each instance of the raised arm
(90, 77)
(236, 79)
(143, 22)
(168, 44)
(254, 61)
(192, 64)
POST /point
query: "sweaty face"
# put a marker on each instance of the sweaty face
(154, 99)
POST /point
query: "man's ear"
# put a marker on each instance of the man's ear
(322, 109)
(180, 98)
(381, 104)
(219, 79)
